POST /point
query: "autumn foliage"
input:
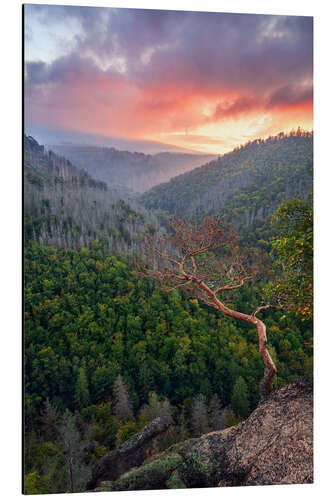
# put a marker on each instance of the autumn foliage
(293, 258)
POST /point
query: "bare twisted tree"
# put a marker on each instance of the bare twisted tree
(207, 260)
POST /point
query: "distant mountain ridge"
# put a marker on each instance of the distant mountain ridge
(65, 137)
(246, 184)
(126, 170)
(47, 168)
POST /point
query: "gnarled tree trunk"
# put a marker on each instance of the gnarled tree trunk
(266, 385)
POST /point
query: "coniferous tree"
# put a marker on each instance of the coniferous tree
(146, 380)
(215, 414)
(182, 429)
(166, 410)
(240, 398)
(73, 449)
(81, 397)
(50, 421)
(199, 416)
(122, 405)
(156, 408)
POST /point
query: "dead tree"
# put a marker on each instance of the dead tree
(207, 260)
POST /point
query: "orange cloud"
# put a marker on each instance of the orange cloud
(75, 94)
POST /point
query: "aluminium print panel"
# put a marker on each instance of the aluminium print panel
(168, 249)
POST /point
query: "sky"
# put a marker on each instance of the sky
(203, 81)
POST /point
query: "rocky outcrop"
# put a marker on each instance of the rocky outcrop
(273, 446)
(144, 444)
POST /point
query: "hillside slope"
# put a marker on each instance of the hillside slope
(274, 445)
(245, 185)
(136, 172)
(65, 207)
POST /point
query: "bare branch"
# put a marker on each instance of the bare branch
(266, 306)
(233, 287)
(194, 264)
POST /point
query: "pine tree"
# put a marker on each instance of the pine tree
(50, 421)
(182, 428)
(146, 380)
(156, 408)
(73, 449)
(215, 414)
(166, 410)
(122, 404)
(199, 416)
(240, 398)
(81, 397)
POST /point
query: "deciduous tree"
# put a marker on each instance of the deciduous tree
(292, 251)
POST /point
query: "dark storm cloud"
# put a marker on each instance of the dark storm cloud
(246, 53)
(203, 50)
(239, 106)
(290, 95)
(61, 70)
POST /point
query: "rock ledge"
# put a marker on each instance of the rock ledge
(273, 446)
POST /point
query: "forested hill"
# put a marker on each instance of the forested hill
(131, 171)
(246, 185)
(43, 168)
(65, 207)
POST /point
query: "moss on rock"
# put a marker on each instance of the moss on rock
(175, 482)
(151, 475)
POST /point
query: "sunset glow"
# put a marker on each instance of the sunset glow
(203, 81)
